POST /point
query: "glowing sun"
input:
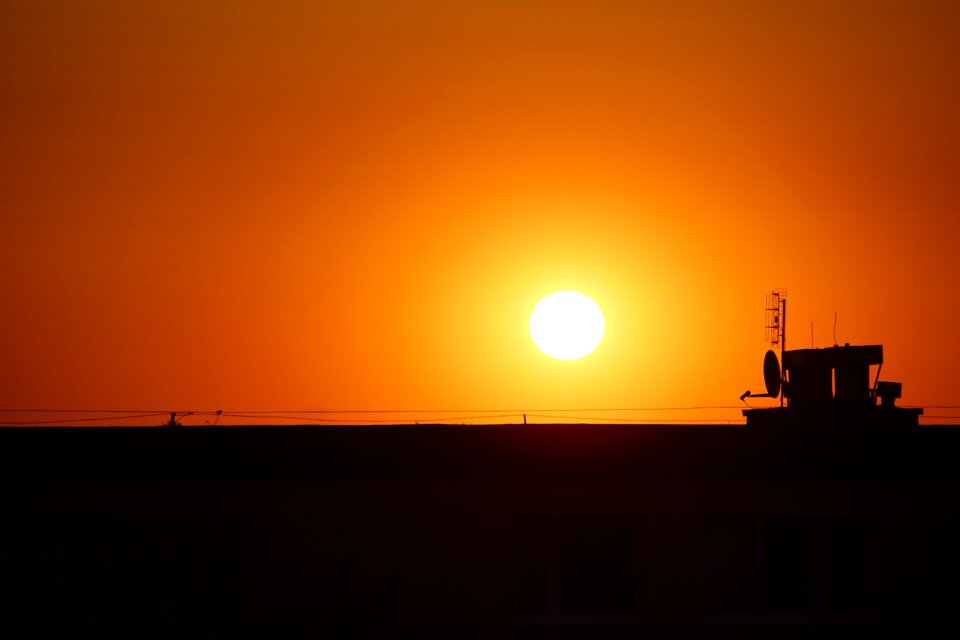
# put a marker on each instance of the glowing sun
(567, 325)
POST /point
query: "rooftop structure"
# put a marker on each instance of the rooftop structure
(828, 387)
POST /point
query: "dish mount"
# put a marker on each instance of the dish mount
(775, 327)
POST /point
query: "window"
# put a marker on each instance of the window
(105, 573)
(532, 541)
(847, 566)
(730, 571)
(575, 565)
(943, 567)
(789, 567)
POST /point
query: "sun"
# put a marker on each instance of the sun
(567, 325)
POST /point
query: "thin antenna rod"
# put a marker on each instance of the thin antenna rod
(811, 335)
(834, 328)
(783, 335)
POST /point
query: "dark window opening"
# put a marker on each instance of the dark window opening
(596, 565)
(943, 567)
(789, 567)
(575, 565)
(730, 559)
(101, 573)
(532, 561)
(847, 552)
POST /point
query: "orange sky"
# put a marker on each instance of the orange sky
(355, 205)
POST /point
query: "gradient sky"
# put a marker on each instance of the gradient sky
(257, 205)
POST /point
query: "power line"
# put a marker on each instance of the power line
(95, 411)
(632, 420)
(352, 416)
(512, 410)
(516, 410)
(931, 406)
(381, 411)
(479, 417)
(345, 421)
(100, 419)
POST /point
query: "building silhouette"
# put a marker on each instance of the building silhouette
(539, 531)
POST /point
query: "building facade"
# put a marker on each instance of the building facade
(466, 531)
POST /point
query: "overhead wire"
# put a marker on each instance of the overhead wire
(515, 410)
(632, 420)
(361, 411)
(405, 416)
(345, 421)
(66, 421)
(116, 412)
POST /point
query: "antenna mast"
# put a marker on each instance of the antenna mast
(776, 323)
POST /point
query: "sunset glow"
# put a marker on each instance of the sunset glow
(341, 205)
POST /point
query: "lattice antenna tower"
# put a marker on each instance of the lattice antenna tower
(775, 321)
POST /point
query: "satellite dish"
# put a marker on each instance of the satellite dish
(771, 373)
